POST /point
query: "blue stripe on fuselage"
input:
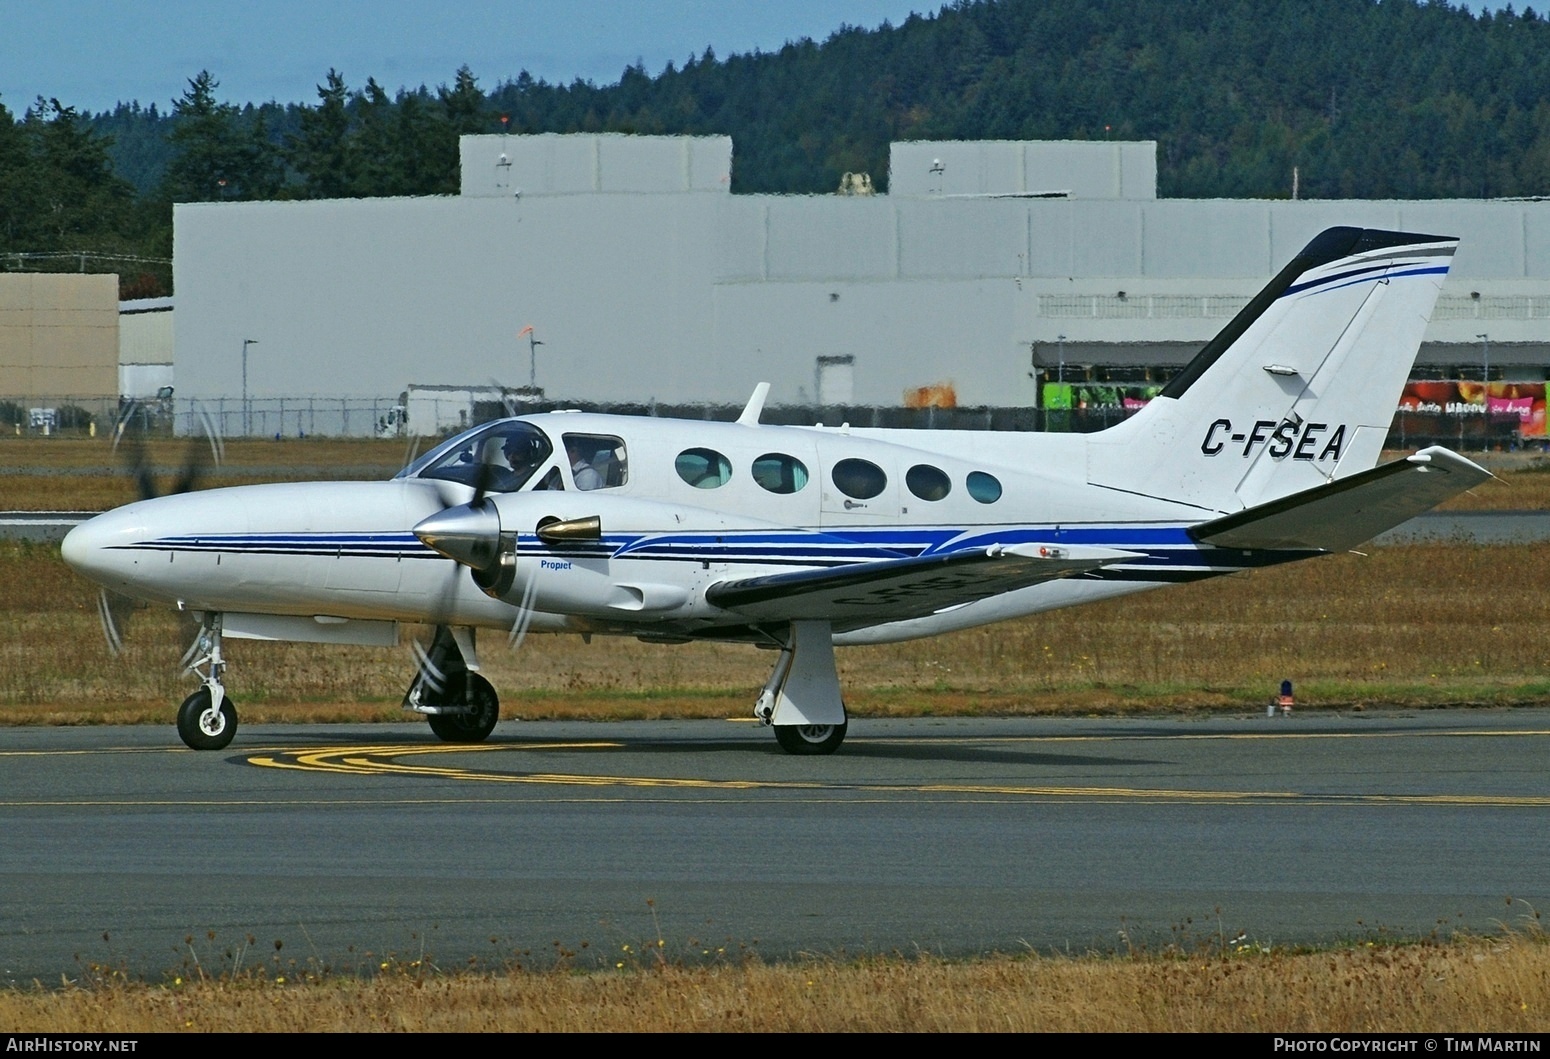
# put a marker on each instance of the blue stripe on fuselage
(1161, 547)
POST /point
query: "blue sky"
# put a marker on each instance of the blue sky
(91, 54)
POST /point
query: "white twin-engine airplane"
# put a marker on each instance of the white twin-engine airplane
(1263, 450)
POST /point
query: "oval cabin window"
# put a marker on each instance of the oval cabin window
(859, 479)
(927, 482)
(986, 488)
(779, 473)
(703, 468)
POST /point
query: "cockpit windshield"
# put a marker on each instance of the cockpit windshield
(500, 457)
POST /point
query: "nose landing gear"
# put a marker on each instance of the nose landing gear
(207, 720)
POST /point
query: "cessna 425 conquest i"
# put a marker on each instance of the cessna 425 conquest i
(1262, 450)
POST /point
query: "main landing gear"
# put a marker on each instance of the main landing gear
(207, 720)
(801, 700)
(460, 705)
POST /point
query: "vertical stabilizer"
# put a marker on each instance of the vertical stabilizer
(1298, 389)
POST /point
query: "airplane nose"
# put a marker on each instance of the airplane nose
(81, 548)
(469, 534)
(88, 549)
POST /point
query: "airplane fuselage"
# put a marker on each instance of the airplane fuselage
(777, 500)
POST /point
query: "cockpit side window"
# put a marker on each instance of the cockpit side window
(597, 461)
(499, 458)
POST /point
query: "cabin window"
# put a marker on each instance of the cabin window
(498, 459)
(859, 479)
(703, 468)
(986, 488)
(597, 461)
(779, 473)
(927, 482)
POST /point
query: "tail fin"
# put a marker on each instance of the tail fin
(1299, 389)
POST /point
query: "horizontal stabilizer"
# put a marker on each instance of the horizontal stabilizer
(897, 589)
(1351, 510)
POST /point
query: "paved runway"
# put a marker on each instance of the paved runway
(351, 843)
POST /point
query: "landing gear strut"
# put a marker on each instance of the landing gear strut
(461, 706)
(801, 700)
(207, 720)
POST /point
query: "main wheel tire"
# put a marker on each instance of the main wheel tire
(202, 728)
(810, 738)
(472, 727)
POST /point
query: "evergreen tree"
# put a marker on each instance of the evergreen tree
(21, 182)
(1364, 98)
(212, 159)
(323, 152)
(79, 195)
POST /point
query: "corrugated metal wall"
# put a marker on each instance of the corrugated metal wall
(662, 290)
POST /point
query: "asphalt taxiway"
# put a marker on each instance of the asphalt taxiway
(353, 845)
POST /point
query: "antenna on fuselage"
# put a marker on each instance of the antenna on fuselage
(750, 416)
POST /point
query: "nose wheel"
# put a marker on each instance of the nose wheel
(207, 720)
(204, 725)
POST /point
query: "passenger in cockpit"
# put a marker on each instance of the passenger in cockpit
(585, 475)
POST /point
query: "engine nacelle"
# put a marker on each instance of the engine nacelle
(569, 553)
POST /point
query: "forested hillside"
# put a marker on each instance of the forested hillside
(1365, 99)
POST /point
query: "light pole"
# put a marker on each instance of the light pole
(1060, 365)
(532, 358)
(1485, 357)
(247, 419)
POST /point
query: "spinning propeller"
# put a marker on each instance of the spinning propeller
(433, 660)
(461, 705)
(472, 535)
(114, 608)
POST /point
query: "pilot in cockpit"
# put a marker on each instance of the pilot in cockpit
(523, 453)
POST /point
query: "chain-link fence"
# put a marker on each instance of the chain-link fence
(293, 417)
(229, 417)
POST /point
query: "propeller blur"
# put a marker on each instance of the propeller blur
(1263, 450)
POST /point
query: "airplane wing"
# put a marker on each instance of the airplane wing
(1348, 511)
(896, 589)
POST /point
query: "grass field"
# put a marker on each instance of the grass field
(1417, 625)
(1499, 985)
(1431, 625)
(1427, 625)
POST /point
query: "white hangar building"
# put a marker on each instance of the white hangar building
(646, 280)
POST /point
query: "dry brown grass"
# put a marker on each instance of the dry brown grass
(1480, 985)
(1523, 484)
(1432, 624)
(84, 474)
(1422, 625)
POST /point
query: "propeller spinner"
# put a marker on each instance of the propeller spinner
(469, 534)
